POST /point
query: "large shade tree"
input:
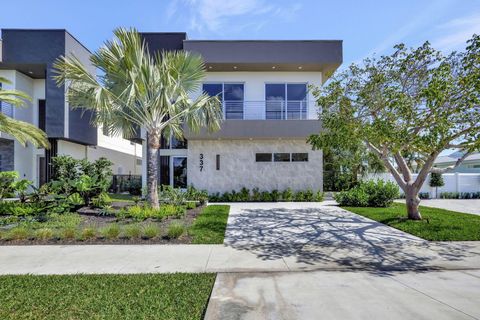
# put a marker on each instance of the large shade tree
(137, 89)
(407, 108)
(22, 131)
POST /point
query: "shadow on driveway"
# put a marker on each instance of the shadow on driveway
(335, 238)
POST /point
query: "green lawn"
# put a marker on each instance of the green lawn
(147, 296)
(210, 225)
(437, 224)
(121, 197)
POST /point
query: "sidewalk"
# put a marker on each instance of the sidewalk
(124, 259)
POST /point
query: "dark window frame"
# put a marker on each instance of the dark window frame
(277, 157)
(257, 159)
(299, 154)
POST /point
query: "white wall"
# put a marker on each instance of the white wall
(25, 158)
(454, 182)
(238, 167)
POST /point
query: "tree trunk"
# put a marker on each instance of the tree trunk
(153, 141)
(412, 202)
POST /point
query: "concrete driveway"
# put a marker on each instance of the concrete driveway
(353, 268)
(460, 205)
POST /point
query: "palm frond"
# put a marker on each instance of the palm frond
(23, 131)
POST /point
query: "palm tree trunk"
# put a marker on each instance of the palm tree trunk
(412, 201)
(153, 141)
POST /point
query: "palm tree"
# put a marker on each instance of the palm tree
(22, 131)
(135, 89)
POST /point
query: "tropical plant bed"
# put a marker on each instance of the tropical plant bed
(142, 296)
(75, 228)
(437, 224)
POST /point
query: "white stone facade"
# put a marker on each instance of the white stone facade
(238, 167)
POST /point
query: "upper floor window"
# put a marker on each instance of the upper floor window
(231, 95)
(286, 100)
(172, 143)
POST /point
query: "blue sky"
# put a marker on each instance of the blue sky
(366, 26)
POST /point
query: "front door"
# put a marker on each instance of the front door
(179, 172)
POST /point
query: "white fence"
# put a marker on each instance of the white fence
(454, 182)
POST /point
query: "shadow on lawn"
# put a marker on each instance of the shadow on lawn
(333, 237)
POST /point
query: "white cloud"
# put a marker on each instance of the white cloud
(218, 15)
(456, 32)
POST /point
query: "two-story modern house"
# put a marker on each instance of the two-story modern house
(26, 59)
(268, 113)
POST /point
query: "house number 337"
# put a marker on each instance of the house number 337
(201, 161)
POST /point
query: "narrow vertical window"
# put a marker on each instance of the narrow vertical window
(218, 161)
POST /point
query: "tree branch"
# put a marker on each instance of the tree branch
(393, 171)
(407, 175)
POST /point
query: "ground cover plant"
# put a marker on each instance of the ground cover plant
(437, 224)
(144, 296)
(255, 195)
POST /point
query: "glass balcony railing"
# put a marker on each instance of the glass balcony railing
(269, 110)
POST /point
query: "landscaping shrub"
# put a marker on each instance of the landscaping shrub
(319, 196)
(287, 195)
(256, 195)
(102, 200)
(265, 196)
(112, 231)
(88, 179)
(356, 197)
(424, 195)
(144, 212)
(150, 231)
(171, 195)
(369, 194)
(175, 230)
(193, 194)
(17, 233)
(44, 234)
(460, 195)
(7, 179)
(191, 204)
(68, 233)
(88, 233)
(132, 231)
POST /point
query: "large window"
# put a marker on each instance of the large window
(231, 95)
(281, 157)
(286, 100)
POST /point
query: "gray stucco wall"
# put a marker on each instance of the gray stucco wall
(40, 48)
(238, 167)
(7, 155)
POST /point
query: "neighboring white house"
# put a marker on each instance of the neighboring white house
(26, 60)
(471, 164)
(268, 114)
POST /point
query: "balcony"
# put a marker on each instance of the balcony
(273, 119)
(269, 110)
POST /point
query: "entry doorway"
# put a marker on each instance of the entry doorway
(173, 171)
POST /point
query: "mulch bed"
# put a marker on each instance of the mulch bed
(89, 220)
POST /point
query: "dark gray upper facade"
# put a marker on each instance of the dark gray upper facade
(257, 55)
(33, 53)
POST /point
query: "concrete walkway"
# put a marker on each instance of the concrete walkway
(260, 237)
(346, 295)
